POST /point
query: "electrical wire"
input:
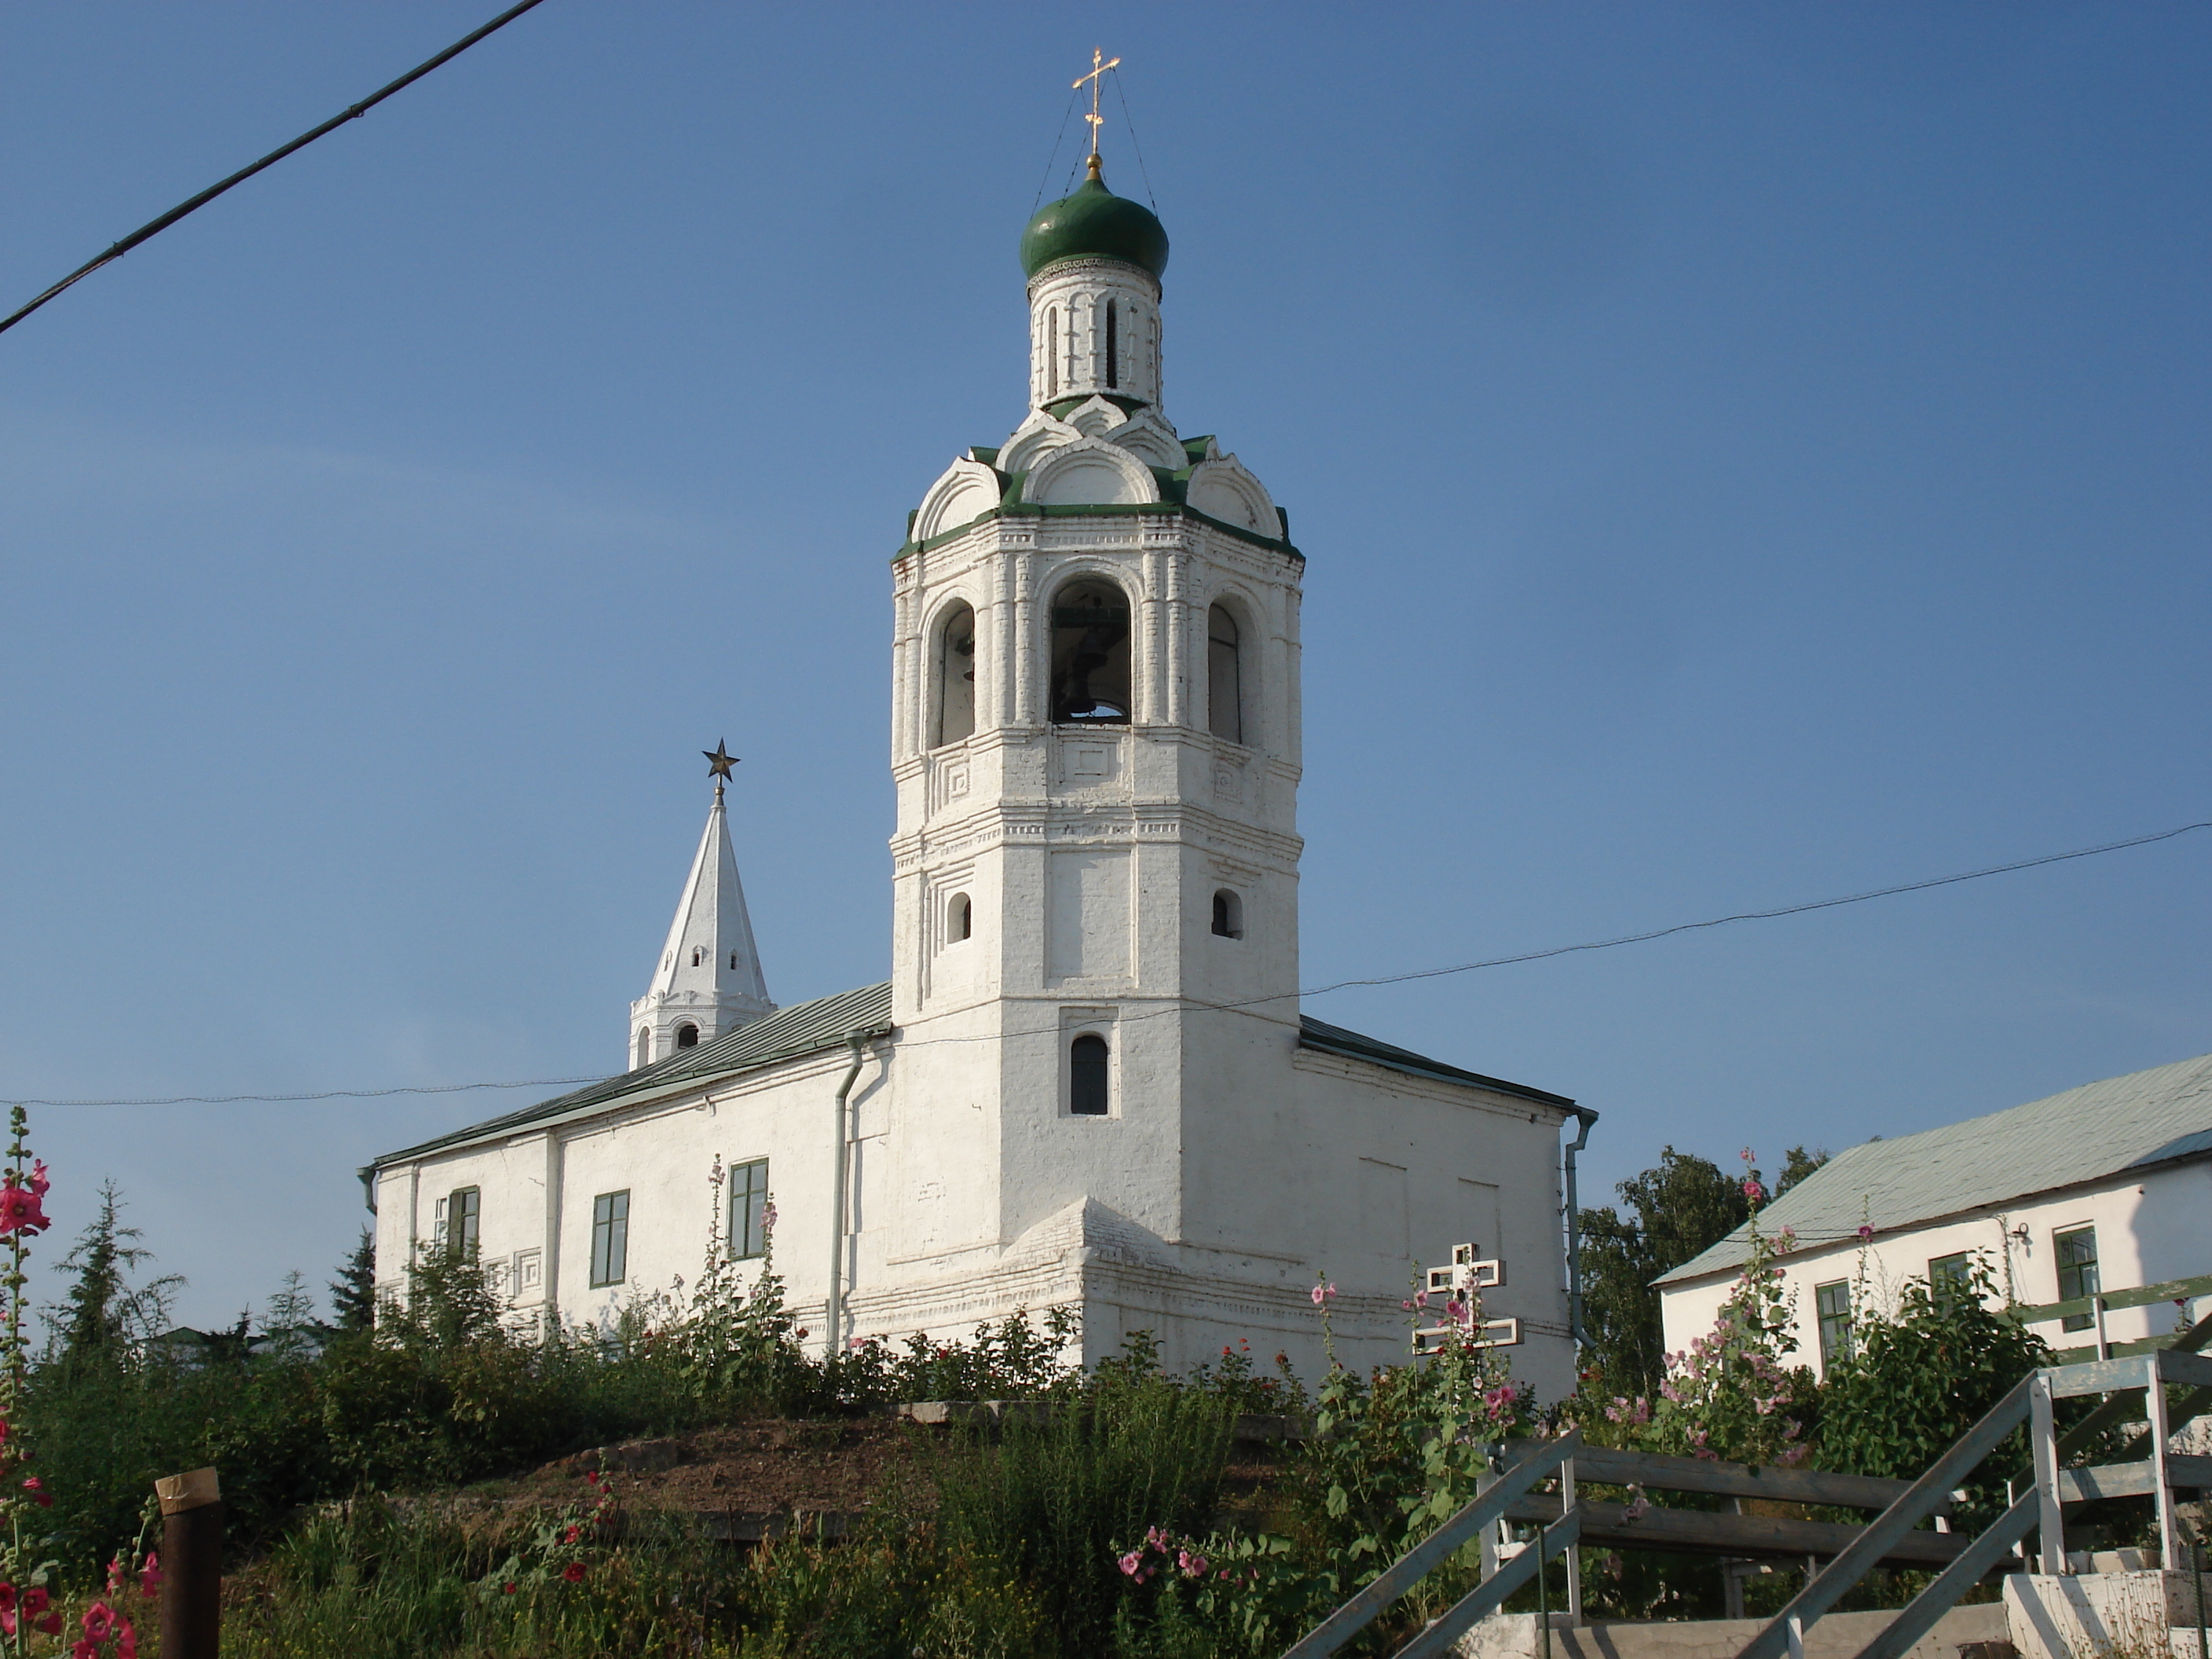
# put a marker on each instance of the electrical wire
(1228, 1008)
(1059, 138)
(351, 113)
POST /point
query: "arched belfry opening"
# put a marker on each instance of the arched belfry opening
(1224, 675)
(955, 716)
(687, 1036)
(1091, 655)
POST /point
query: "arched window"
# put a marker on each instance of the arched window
(1225, 676)
(698, 955)
(960, 919)
(1228, 914)
(1112, 347)
(644, 1047)
(734, 962)
(687, 1036)
(1091, 655)
(956, 677)
(1087, 1063)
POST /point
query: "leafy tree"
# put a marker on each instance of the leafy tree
(1679, 1208)
(1920, 1375)
(103, 1314)
(353, 1292)
(1797, 1164)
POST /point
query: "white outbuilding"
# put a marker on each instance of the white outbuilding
(2091, 1213)
(1087, 1082)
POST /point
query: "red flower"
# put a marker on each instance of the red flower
(84, 1648)
(39, 1182)
(35, 1599)
(574, 1572)
(126, 1646)
(18, 1208)
(7, 1598)
(510, 1587)
(51, 1624)
(572, 1534)
(149, 1577)
(99, 1621)
(39, 1495)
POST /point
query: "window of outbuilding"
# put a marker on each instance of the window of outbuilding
(749, 1210)
(687, 1036)
(611, 1238)
(1228, 916)
(955, 716)
(1225, 676)
(1950, 1275)
(1089, 1076)
(2076, 1253)
(1091, 655)
(1832, 1303)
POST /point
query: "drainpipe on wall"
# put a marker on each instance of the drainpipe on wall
(1575, 1232)
(833, 1311)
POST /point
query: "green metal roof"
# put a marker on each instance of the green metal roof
(1335, 1040)
(806, 1028)
(2085, 1134)
(810, 1027)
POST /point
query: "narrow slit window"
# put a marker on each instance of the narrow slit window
(1091, 655)
(1112, 347)
(687, 1036)
(1228, 916)
(698, 955)
(955, 677)
(464, 1211)
(734, 962)
(960, 920)
(1052, 353)
(1088, 1064)
(610, 1238)
(1225, 676)
(749, 1210)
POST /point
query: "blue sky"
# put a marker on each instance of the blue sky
(1746, 453)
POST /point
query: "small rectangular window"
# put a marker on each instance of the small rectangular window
(1833, 1303)
(2076, 1251)
(1950, 1275)
(463, 1211)
(749, 1210)
(611, 1238)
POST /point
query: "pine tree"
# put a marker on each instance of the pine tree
(103, 1314)
(353, 1292)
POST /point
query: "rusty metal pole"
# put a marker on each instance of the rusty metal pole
(192, 1564)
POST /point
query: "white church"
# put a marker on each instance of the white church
(1087, 1082)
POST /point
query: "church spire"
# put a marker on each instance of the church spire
(708, 979)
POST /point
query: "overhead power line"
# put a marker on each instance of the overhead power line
(1316, 991)
(350, 113)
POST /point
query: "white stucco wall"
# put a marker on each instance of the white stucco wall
(2150, 1229)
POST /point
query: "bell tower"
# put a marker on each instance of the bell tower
(1096, 745)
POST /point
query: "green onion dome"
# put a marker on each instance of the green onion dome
(1095, 224)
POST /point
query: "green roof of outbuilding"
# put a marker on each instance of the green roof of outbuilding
(2091, 1134)
(1095, 224)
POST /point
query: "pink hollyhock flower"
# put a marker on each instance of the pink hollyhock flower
(1500, 1398)
(116, 1570)
(99, 1621)
(572, 1534)
(19, 1209)
(40, 1495)
(149, 1575)
(1131, 1562)
(51, 1624)
(574, 1572)
(1865, 1234)
(35, 1599)
(510, 1587)
(84, 1648)
(39, 1182)
(7, 1598)
(1407, 1306)
(1420, 1298)
(1748, 1156)
(126, 1644)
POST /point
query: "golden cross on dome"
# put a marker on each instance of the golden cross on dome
(720, 760)
(1097, 78)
